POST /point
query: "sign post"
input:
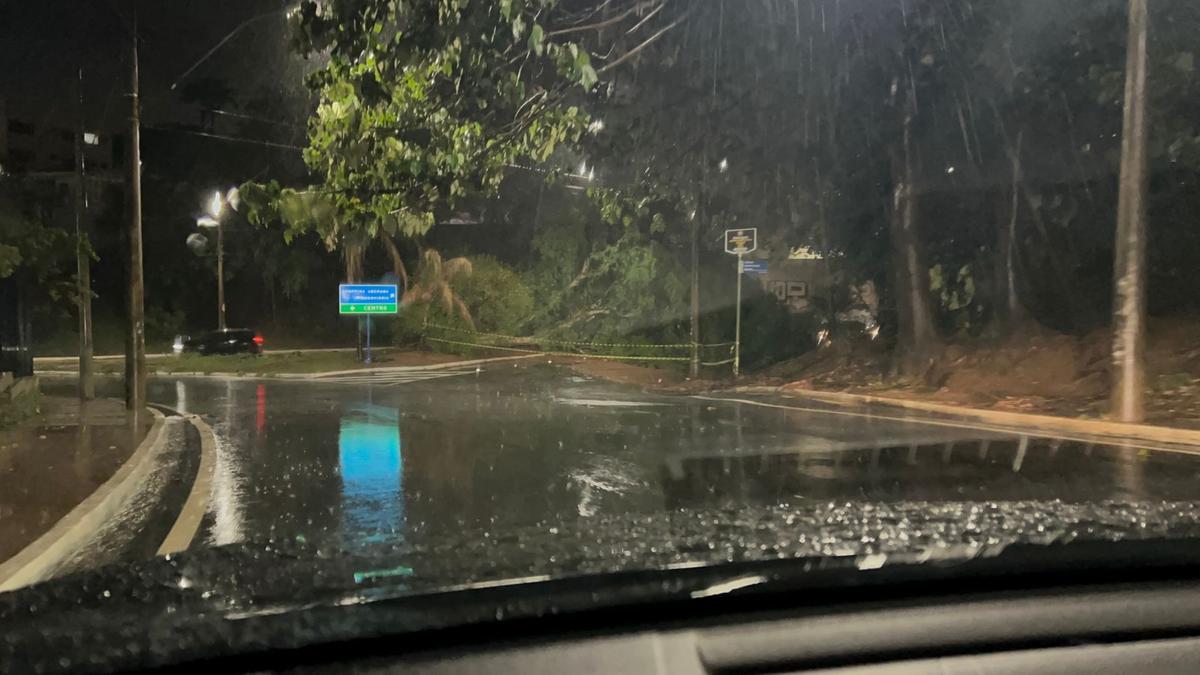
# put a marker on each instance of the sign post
(367, 300)
(739, 242)
(737, 323)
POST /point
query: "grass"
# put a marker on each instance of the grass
(18, 410)
(267, 364)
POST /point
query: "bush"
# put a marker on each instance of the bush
(163, 325)
(497, 298)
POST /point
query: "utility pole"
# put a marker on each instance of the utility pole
(220, 275)
(1129, 266)
(83, 271)
(135, 354)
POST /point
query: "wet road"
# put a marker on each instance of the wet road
(363, 461)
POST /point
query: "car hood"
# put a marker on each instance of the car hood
(288, 594)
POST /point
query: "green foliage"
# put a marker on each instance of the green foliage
(162, 325)
(498, 298)
(16, 411)
(486, 295)
(43, 253)
(633, 288)
(420, 103)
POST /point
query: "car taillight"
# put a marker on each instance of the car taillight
(258, 340)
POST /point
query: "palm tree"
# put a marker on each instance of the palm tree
(434, 283)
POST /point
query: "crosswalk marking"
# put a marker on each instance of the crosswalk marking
(393, 378)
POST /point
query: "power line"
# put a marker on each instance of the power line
(221, 137)
(252, 118)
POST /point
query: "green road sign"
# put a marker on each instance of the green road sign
(364, 308)
(368, 299)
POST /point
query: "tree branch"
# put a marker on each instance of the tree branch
(607, 22)
(633, 52)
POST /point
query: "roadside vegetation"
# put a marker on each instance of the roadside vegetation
(552, 172)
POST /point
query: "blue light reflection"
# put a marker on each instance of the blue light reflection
(372, 473)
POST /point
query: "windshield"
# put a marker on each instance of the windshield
(572, 287)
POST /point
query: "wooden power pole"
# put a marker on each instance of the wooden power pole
(87, 386)
(135, 353)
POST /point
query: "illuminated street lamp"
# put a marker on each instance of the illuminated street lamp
(216, 208)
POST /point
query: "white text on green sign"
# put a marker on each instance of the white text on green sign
(368, 299)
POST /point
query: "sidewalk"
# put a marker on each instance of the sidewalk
(53, 461)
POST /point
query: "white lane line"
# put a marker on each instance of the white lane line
(188, 522)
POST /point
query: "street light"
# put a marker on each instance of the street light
(217, 205)
(216, 208)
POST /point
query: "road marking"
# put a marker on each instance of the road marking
(188, 522)
(956, 425)
(393, 379)
(413, 369)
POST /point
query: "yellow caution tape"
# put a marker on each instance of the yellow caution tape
(610, 357)
(569, 343)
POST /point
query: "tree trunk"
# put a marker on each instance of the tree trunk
(398, 267)
(918, 340)
(1129, 268)
(354, 265)
(1009, 308)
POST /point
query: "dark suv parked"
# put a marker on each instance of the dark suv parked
(228, 341)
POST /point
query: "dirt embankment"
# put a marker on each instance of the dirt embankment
(1032, 371)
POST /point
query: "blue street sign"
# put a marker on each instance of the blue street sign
(368, 299)
(754, 267)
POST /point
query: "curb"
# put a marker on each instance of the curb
(187, 523)
(409, 369)
(303, 377)
(37, 561)
(1116, 431)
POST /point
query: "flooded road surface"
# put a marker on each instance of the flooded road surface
(359, 462)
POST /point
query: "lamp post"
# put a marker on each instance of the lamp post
(216, 208)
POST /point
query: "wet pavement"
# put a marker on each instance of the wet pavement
(405, 459)
(52, 462)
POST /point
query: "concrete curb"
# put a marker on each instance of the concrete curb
(38, 560)
(409, 369)
(313, 376)
(188, 522)
(163, 355)
(1114, 431)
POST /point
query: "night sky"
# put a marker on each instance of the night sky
(42, 42)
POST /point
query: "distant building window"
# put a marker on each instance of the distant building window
(91, 139)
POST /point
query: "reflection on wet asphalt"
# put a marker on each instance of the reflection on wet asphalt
(353, 464)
